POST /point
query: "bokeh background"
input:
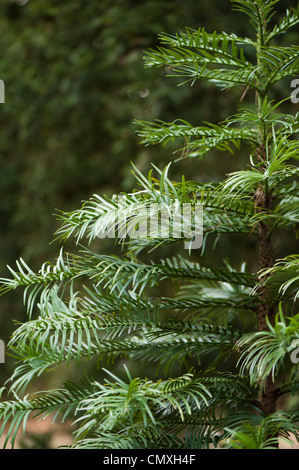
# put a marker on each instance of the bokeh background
(75, 82)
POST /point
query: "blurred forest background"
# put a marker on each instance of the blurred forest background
(75, 81)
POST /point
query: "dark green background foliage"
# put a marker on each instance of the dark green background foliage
(75, 81)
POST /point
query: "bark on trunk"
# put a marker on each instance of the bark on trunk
(265, 309)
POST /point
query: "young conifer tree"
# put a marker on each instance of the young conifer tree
(216, 311)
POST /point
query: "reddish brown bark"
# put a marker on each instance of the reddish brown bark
(265, 309)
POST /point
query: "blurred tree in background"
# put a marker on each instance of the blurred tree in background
(75, 82)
